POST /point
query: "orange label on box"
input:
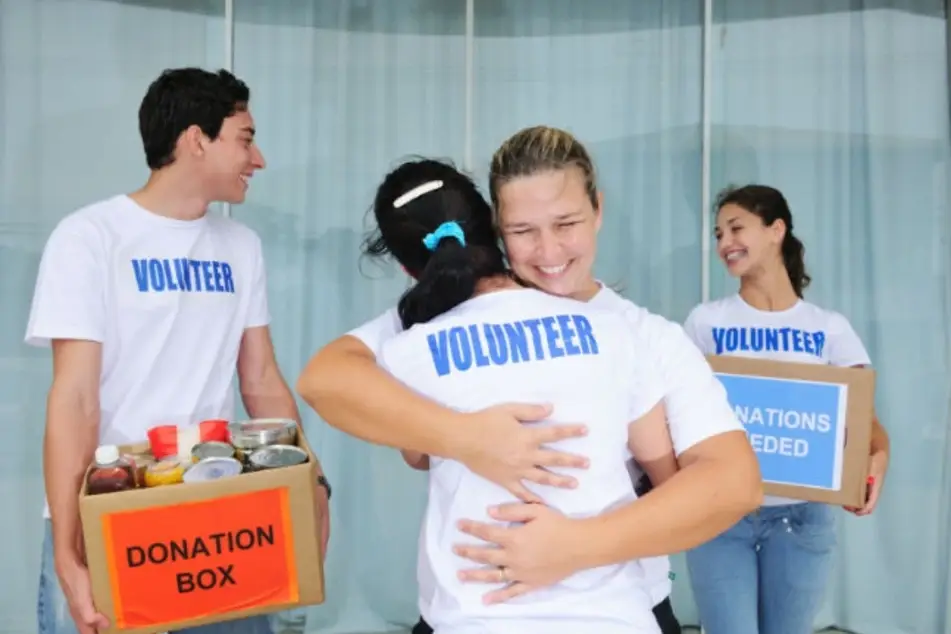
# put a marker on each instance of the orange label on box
(198, 559)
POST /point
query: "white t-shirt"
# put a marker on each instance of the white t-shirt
(169, 301)
(656, 569)
(527, 345)
(804, 333)
(696, 403)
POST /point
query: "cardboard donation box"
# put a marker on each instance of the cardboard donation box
(810, 425)
(176, 556)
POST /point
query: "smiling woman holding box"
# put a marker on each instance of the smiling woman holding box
(768, 573)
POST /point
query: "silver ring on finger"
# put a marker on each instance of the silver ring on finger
(503, 575)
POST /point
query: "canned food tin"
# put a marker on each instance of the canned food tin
(260, 432)
(212, 469)
(274, 456)
(212, 449)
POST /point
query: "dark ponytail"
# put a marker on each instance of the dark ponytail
(770, 205)
(432, 219)
(794, 258)
(448, 279)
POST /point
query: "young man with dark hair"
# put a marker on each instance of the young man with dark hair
(150, 305)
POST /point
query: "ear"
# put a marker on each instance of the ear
(778, 230)
(193, 141)
(598, 213)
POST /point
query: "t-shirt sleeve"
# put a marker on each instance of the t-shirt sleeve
(69, 299)
(645, 384)
(374, 333)
(845, 347)
(695, 399)
(693, 329)
(258, 310)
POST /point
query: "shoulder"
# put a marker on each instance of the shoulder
(842, 346)
(815, 316)
(85, 228)
(234, 230)
(712, 311)
(375, 333)
(92, 218)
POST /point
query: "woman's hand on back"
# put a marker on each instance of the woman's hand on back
(498, 445)
(538, 548)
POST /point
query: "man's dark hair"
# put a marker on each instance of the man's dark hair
(183, 97)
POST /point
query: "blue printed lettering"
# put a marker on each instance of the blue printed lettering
(533, 324)
(478, 345)
(568, 334)
(552, 336)
(589, 345)
(481, 360)
(498, 350)
(154, 275)
(439, 350)
(761, 339)
(460, 348)
(517, 342)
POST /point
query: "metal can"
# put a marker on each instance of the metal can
(212, 449)
(210, 469)
(250, 435)
(275, 456)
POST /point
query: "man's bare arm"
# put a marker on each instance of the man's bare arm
(264, 392)
(69, 444)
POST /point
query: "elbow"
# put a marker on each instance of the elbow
(416, 460)
(748, 484)
(315, 383)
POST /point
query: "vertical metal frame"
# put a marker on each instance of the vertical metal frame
(706, 90)
(229, 66)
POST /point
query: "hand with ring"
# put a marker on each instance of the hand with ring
(537, 547)
(503, 575)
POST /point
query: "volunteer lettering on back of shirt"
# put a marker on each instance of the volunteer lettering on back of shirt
(499, 347)
(689, 427)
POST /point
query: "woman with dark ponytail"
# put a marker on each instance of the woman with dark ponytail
(473, 338)
(768, 573)
(433, 221)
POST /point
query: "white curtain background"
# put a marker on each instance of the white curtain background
(842, 105)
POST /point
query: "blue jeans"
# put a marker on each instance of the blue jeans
(53, 615)
(767, 574)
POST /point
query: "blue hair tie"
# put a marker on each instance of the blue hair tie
(449, 229)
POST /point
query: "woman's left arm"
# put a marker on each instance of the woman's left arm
(879, 452)
(847, 350)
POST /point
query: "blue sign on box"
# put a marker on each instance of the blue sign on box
(796, 427)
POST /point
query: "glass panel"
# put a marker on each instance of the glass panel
(341, 91)
(846, 112)
(72, 75)
(625, 78)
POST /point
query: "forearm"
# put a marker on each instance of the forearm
(880, 441)
(353, 394)
(698, 503)
(269, 397)
(69, 444)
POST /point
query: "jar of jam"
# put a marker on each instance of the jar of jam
(167, 471)
(111, 472)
